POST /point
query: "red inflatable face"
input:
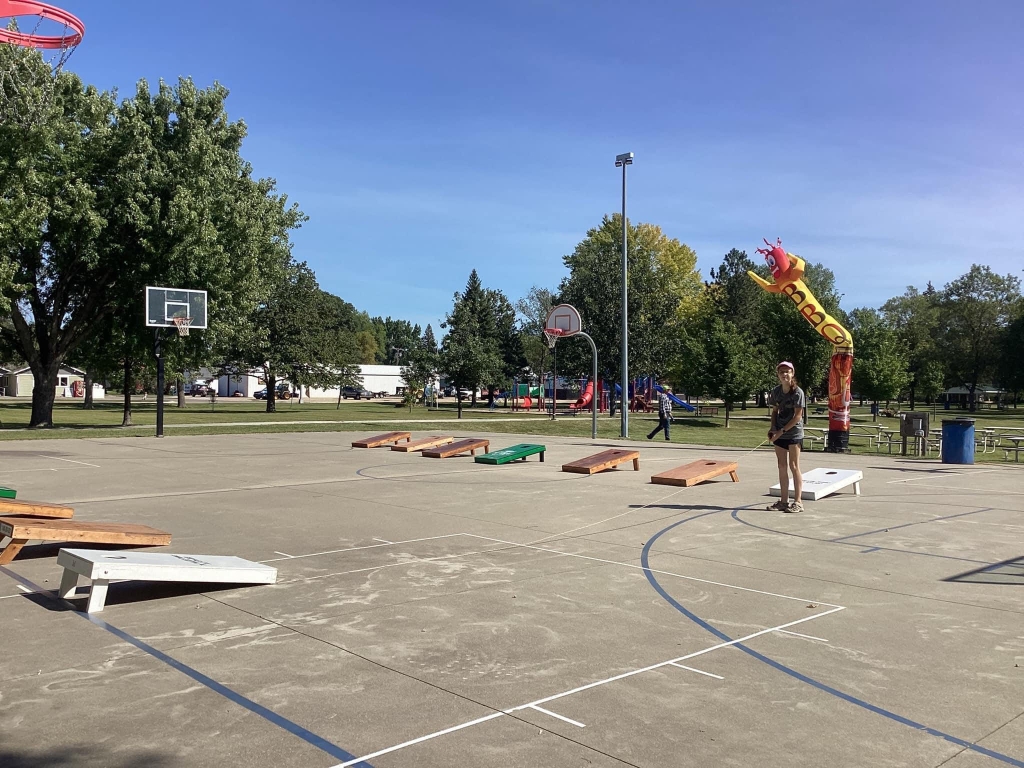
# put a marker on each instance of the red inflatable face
(776, 256)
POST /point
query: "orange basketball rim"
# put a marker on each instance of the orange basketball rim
(74, 28)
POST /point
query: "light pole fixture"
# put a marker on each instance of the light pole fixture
(621, 161)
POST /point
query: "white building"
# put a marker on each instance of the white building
(378, 379)
(70, 383)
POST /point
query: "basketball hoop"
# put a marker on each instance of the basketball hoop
(28, 78)
(552, 335)
(182, 324)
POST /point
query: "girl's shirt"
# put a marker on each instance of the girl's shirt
(787, 403)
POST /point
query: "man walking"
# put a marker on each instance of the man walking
(664, 412)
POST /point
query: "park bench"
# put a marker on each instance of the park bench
(423, 442)
(8, 493)
(102, 567)
(470, 446)
(696, 472)
(22, 530)
(707, 410)
(602, 461)
(378, 440)
(34, 509)
(513, 453)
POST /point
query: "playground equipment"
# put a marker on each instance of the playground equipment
(10, 507)
(585, 399)
(788, 270)
(421, 444)
(822, 482)
(513, 453)
(386, 439)
(469, 445)
(696, 472)
(103, 567)
(22, 530)
(599, 462)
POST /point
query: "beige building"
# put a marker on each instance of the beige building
(70, 383)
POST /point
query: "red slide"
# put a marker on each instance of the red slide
(585, 398)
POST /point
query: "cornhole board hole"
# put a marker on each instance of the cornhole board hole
(8, 493)
(419, 445)
(821, 482)
(512, 453)
(22, 530)
(378, 440)
(470, 446)
(103, 567)
(34, 509)
(696, 472)
(602, 461)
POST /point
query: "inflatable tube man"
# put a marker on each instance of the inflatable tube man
(788, 272)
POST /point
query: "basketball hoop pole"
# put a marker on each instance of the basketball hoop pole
(159, 384)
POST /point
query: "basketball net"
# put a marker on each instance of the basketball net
(31, 61)
(552, 335)
(182, 324)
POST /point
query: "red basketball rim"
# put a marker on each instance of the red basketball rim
(34, 8)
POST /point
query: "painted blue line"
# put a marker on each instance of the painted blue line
(908, 525)
(869, 549)
(280, 721)
(645, 563)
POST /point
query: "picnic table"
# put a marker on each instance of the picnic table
(816, 435)
(1017, 441)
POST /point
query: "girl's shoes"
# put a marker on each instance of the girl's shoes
(796, 506)
(778, 506)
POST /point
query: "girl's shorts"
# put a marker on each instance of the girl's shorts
(783, 442)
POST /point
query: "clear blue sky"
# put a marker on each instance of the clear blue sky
(425, 139)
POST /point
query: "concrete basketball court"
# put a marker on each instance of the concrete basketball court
(439, 612)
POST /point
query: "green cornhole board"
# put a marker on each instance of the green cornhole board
(514, 453)
(8, 493)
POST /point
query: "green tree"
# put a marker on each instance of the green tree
(400, 337)
(1011, 355)
(882, 368)
(532, 311)
(366, 343)
(976, 309)
(428, 343)
(915, 318)
(418, 372)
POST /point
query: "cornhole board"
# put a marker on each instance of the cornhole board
(602, 461)
(103, 567)
(8, 493)
(470, 446)
(696, 472)
(34, 509)
(419, 445)
(378, 440)
(22, 530)
(822, 482)
(512, 453)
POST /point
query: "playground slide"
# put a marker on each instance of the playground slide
(585, 398)
(676, 401)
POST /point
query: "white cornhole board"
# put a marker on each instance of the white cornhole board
(104, 566)
(819, 483)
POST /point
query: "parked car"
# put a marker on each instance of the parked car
(199, 390)
(284, 392)
(356, 393)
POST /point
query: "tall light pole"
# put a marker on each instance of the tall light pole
(622, 161)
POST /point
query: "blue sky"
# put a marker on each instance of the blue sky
(427, 139)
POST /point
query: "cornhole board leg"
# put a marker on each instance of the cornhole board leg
(11, 550)
(736, 478)
(636, 465)
(68, 584)
(97, 596)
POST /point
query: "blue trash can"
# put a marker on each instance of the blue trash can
(958, 441)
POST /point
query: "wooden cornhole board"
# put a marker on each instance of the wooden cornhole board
(602, 461)
(821, 482)
(419, 445)
(8, 493)
(512, 453)
(378, 440)
(696, 472)
(34, 509)
(22, 530)
(103, 567)
(470, 446)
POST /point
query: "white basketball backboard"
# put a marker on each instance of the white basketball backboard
(564, 318)
(165, 304)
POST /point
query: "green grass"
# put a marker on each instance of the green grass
(235, 416)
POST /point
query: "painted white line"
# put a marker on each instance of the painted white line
(420, 739)
(70, 461)
(354, 549)
(809, 637)
(698, 671)
(941, 474)
(385, 541)
(559, 717)
(8, 597)
(12, 471)
(287, 556)
(23, 588)
(969, 490)
(655, 570)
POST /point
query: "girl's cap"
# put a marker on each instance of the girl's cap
(786, 364)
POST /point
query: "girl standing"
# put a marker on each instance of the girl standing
(787, 434)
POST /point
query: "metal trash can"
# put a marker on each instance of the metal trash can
(958, 441)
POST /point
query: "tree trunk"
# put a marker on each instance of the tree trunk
(458, 397)
(87, 402)
(913, 395)
(179, 384)
(743, 405)
(874, 412)
(338, 406)
(271, 392)
(44, 392)
(129, 385)
(972, 406)
(728, 407)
